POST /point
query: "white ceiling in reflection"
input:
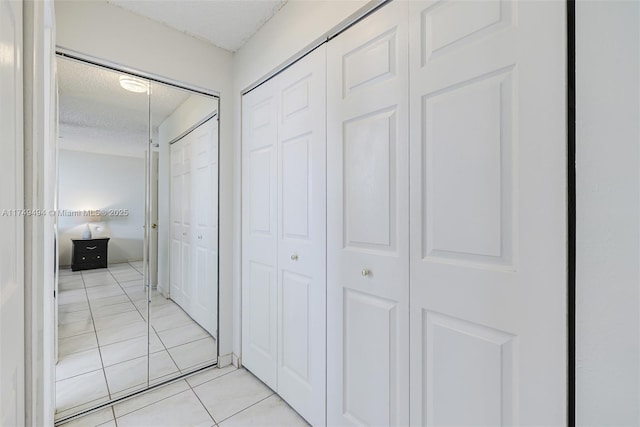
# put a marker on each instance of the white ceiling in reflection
(98, 115)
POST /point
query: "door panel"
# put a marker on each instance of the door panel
(364, 353)
(295, 321)
(296, 171)
(184, 299)
(261, 334)
(367, 222)
(369, 181)
(488, 213)
(259, 238)
(302, 236)
(481, 384)
(176, 220)
(468, 193)
(204, 304)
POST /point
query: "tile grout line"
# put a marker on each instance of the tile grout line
(165, 347)
(78, 375)
(129, 298)
(147, 320)
(152, 403)
(100, 354)
(104, 371)
(175, 394)
(82, 279)
(203, 405)
(149, 326)
(141, 336)
(215, 423)
(113, 413)
(96, 332)
(273, 393)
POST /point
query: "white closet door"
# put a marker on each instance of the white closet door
(367, 222)
(181, 222)
(204, 299)
(176, 219)
(184, 295)
(259, 233)
(488, 213)
(302, 236)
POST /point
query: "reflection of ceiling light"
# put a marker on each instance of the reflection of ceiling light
(133, 84)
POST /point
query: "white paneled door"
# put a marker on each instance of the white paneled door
(180, 221)
(12, 405)
(488, 213)
(284, 235)
(302, 236)
(204, 303)
(368, 222)
(194, 224)
(259, 232)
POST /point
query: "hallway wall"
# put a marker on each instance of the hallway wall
(102, 181)
(608, 213)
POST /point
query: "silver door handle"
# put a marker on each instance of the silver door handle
(366, 272)
(294, 257)
(91, 247)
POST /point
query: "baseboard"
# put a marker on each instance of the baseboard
(225, 360)
(237, 361)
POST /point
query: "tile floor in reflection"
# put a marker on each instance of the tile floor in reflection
(102, 338)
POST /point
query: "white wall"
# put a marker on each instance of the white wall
(608, 214)
(105, 31)
(102, 181)
(12, 319)
(295, 26)
(191, 112)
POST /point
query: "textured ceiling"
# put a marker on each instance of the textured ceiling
(225, 23)
(97, 115)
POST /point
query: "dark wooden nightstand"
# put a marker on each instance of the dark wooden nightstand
(89, 253)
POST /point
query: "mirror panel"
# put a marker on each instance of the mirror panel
(103, 342)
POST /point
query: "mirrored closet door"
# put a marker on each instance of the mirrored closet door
(137, 234)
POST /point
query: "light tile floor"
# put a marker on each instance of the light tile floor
(102, 338)
(225, 397)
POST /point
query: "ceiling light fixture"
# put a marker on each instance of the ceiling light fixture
(133, 84)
